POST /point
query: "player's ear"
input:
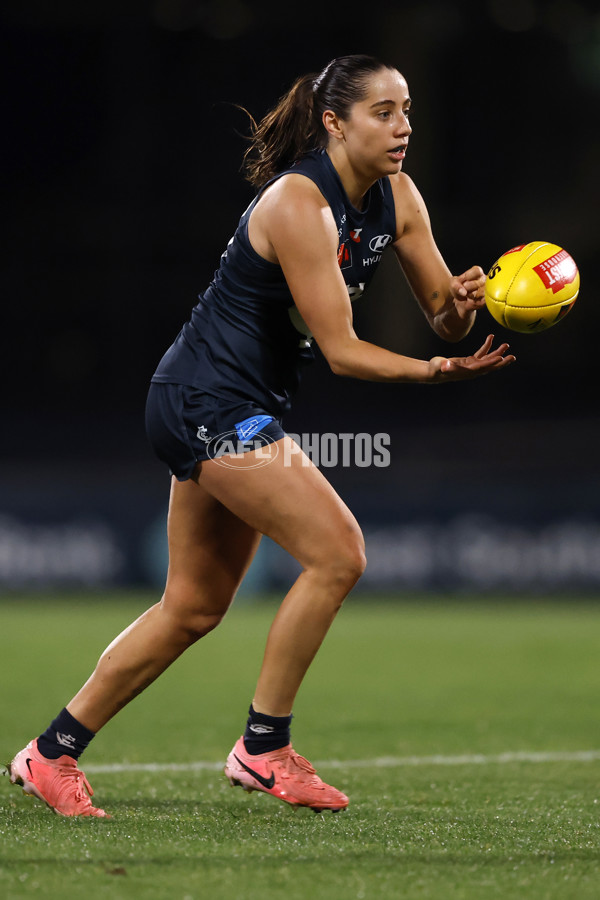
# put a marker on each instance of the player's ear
(333, 125)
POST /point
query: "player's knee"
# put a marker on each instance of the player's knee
(355, 561)
(192, 612)
(201, 623)
(347, 560)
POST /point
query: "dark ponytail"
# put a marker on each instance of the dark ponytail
(295, 125)
(288, 131)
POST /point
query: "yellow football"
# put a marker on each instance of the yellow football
(532, 287)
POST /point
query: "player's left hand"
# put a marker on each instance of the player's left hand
(468, 289)
(484, 360)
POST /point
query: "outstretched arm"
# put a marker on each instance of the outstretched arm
(292, 224)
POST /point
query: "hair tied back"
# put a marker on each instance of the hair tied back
(319, 79)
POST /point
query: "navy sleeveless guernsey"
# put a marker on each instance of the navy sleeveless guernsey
(245, 339)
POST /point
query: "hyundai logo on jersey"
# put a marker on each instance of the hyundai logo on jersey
(379, 243)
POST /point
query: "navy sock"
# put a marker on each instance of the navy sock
(64, 737)
(265, 733)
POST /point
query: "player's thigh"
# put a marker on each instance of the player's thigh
(210, 548)
(289, 500)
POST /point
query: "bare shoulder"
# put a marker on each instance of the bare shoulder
(405, 190)
(292, 194)
(411, 210)
(291, 209)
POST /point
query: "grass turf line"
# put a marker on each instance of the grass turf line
(392, 680)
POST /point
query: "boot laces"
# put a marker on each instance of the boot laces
(80, 786)
(307, 772)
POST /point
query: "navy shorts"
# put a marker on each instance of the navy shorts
(186, 425)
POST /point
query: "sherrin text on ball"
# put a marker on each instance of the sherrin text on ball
(532, 287)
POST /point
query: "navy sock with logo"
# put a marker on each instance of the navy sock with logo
(265, 733)
(65, 736)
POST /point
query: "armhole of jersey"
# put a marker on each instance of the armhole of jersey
(254, 253)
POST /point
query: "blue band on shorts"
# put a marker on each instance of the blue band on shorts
(186, 425)
(249, 427)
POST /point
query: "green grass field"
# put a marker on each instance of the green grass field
(466, 735)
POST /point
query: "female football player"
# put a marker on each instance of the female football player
(327, 164)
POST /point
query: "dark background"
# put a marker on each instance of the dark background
(121, 177)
